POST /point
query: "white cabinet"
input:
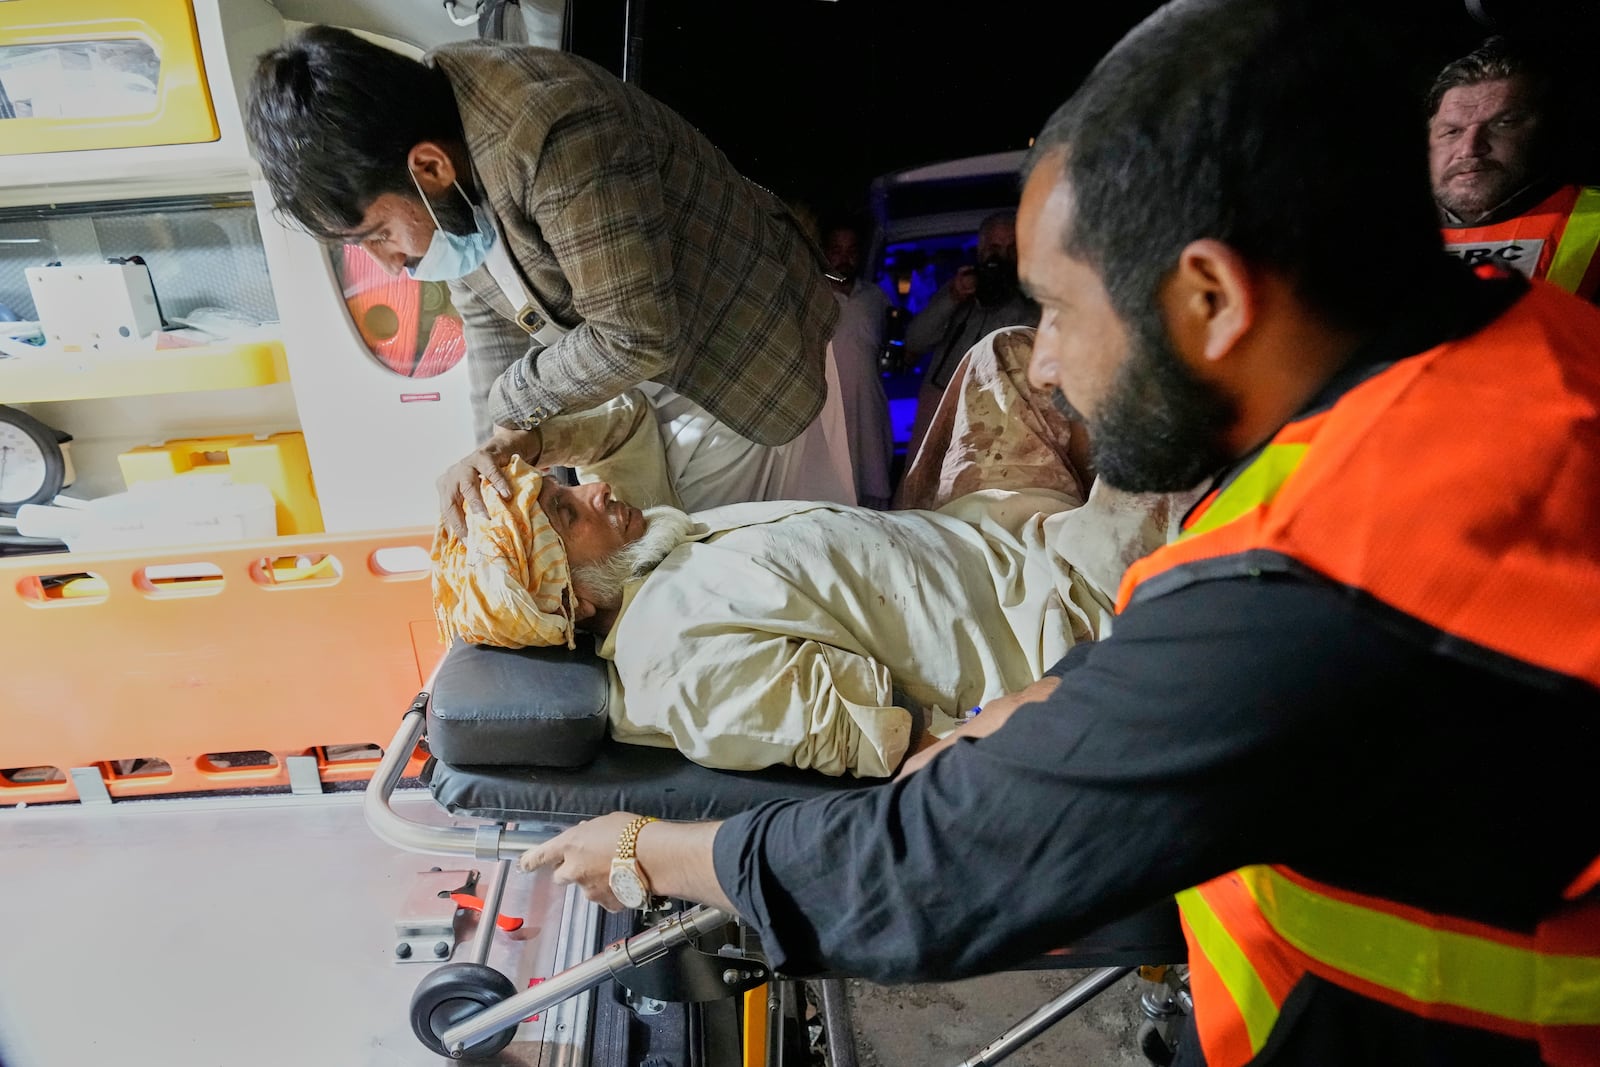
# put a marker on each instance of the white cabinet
(170, 178)
(197, 60)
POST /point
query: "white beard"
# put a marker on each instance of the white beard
(665, 529)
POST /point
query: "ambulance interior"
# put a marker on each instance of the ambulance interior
(232, 835)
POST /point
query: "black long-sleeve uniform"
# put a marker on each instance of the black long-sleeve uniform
(1242, 720)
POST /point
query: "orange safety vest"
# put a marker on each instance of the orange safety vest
(1556, 240)
(1403, 491)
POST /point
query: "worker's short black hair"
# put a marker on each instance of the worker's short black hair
(1286, 129)
(853, 221)
(998, 218)
(333, 118)
(1496, 59)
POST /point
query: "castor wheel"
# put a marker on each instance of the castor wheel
(1154, 1046)
(452, 993)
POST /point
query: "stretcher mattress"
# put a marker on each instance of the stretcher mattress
(650, 781)
(520, 733)
(546, 706)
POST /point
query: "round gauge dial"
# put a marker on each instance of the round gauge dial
(32, 466)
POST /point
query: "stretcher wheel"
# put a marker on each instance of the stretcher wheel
(452, 993)
(1154, 1045)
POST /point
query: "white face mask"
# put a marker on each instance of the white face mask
(452, 255)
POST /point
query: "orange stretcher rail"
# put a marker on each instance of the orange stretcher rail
(204, 668)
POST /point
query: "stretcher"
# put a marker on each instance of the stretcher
(518, 739)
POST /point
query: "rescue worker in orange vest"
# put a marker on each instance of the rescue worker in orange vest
(1352, 716)
(1492, 159)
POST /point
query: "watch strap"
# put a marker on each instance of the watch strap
(628, 842)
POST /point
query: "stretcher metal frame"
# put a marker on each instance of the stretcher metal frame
(657, 962)
(660, 961)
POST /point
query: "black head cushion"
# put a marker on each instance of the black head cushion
(528, 707)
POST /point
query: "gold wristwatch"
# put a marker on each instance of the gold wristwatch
(628, 882)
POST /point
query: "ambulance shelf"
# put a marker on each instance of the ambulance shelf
(96, 375)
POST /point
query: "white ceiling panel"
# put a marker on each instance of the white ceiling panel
(422, 23)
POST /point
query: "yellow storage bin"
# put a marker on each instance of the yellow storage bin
(95, 74)
(278, 462)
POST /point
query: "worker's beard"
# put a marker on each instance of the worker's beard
(1160, 429)
(604, 580)
(1497, 185)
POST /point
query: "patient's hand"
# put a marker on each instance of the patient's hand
(995, 714)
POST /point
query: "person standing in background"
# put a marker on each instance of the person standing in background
(980, 299)
(1495, 148)
(858, 339)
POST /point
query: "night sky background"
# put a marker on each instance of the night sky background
(814, 98)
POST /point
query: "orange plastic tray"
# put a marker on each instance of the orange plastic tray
(186, 654)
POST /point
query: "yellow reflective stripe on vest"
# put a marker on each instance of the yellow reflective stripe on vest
(1256, 485)
(1579, 240)
(1238, 974)
(1427, 964)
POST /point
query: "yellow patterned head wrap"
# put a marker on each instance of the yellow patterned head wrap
(505, 585)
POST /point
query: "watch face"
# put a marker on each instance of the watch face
(627, 887)
(24, 468)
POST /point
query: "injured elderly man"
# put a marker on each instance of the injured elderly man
(815, 635)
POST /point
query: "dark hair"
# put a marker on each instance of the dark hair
(998, 217)
(844, 220)
(1496, 59)
(333, 118)
(1244, 121)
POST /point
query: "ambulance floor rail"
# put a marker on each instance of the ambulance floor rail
(617, 961)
